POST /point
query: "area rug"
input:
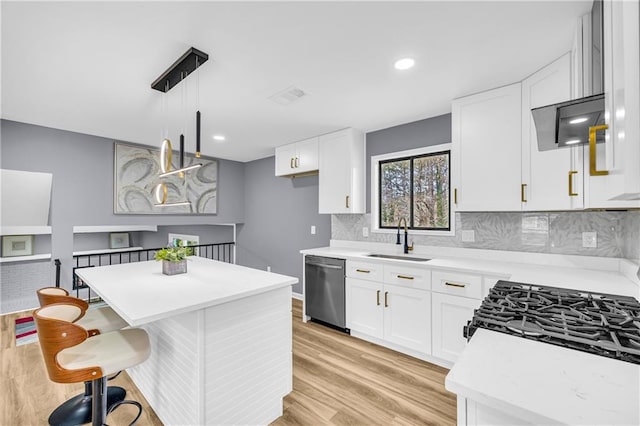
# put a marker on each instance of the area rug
(25, 331)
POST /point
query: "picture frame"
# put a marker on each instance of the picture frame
(118, 240)
(17, 245)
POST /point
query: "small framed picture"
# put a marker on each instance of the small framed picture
(17, 245)
(118, 240)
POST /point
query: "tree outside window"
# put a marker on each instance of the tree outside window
(416, 188)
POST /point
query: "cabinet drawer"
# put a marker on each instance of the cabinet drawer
(457, 283)
(407, 276)
(364, 270)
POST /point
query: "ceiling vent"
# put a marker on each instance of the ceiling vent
(288, 96)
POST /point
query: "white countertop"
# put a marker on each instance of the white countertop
(544, 383)
(140, 293)
(596, 275)
(532, 380)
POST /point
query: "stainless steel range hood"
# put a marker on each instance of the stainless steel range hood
(567, 124)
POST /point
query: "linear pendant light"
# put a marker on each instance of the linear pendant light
(178, 71)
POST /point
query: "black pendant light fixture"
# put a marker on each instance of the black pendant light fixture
(178, 71)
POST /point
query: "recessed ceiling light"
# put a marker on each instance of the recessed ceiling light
(578, 120)
(572, 142)
(218, 137)
(404, 63)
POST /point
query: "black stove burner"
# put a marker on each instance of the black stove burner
(602, 324)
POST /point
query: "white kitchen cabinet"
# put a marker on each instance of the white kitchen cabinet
(486, 145)
(407, 317)
(619, 155)
(551, 180)
(297, 158)
(397, 314)
(450, 315)
(364, 309)
(341, 172)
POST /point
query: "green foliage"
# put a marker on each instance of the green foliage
(422, 181)
(174, 254)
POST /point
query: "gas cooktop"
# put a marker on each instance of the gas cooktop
(602, 324)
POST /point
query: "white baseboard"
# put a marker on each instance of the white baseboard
(298, 296)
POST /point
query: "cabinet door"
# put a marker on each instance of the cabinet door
(341, 167)
(285, 159)
(619, 155)
(307, 155)
(486, 143)
(364, 307)
(552, 179)
(407, 317)
(450, 315)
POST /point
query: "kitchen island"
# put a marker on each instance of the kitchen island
(220, 338)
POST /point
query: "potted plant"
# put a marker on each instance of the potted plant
(174, 259)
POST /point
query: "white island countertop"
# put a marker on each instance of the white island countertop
(141, 294)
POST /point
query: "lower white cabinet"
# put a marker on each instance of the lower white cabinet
(450, 315)
(407, 317)
(363, 307)
(396, 314)
(413, 308)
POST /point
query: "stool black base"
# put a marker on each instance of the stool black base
(77, 410)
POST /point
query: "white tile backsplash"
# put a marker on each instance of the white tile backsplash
(545, 232)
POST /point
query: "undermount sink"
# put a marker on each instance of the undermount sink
(398, 257)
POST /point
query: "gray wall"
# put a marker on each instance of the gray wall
(82, 192)
(279, 213)
(418, 134)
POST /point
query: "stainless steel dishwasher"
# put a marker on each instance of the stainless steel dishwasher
(324, 290)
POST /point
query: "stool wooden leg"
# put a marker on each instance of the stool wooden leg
(99, 402)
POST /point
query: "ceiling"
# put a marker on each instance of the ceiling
(88, 66)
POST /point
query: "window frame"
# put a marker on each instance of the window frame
(376, 181)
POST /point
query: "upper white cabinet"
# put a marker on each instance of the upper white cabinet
(551, 180)
(297, 158)
(616, 177)
(342, 172)
(486, 145)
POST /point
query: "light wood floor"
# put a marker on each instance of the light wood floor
(337, 380)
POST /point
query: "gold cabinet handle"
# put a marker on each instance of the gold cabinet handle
(297, 162)
(405, 277)
(386, 299)
(378, 297)
(571, 173)
(592, 151)
(450, 284)
(291, 163)
(364, 271)
(523, 190)
(346, 201)
(455, 195)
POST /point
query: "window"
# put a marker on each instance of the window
(416, 188)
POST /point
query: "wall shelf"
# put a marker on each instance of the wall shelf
(113, 228)
(105, 251)
(25, 230)
(43, 256)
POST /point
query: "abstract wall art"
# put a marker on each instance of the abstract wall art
(136, 170)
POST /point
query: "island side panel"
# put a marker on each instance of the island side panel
(169, 379)
(248, 358)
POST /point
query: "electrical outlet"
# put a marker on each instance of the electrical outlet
(268, 268)
(313, 230)
(365, 231)
(589, 239)
(468, 236)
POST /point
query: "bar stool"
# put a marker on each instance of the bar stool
(77, 410)
(96, 321)
(71, 356)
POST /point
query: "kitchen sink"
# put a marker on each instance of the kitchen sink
(398, 257)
